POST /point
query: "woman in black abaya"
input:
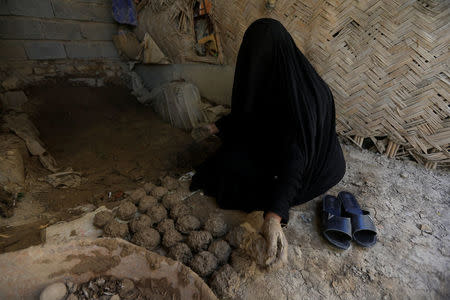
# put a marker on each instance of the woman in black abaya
(280, 146)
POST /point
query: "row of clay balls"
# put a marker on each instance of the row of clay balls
(157, 215)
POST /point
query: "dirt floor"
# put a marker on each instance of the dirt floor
(117, 144)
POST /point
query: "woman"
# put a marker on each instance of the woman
(280, 146)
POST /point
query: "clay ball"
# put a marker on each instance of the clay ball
(171, 237)
(199, 240)
(164, 225)
(102, 218)
(115, 229)
(158, 192)
(204, 263)
(181, 252)
(224, 282)
(139, 223)
(55, 291)
(148, 238)
(170, 183)
(187, 223)
(157, 213)
(146, 202)
(221, 249)
(148, 187)
(136, 195)
(180, 210)
(171, 199)
(216, 225)
(126, 211)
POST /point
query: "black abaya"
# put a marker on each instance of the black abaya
(280, 146)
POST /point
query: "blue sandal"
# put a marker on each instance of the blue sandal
(336, 228)
(363, 229)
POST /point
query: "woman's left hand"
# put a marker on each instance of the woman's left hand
(277, 246)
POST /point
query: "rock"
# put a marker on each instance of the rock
(136, 195)
(148, 187)
(425, 228)
(148, 238)
(126, 287)
(13, 100)
(171, 199)
(204, 263)
(146, 202)
(72, 297)
(221, 249)
(115, 229)
(55, 291)
(404, 175)
(216, 225)
(158, 192)
(170, 183)
(102, 218)
(165, 225)
(187, 223)
(139, 223)
(171, 237)
(126, 211)
(180, 210)
(157, 213)
(181, 252)
(199, 240)
(224, 282)
(114, 297)
(11, 83)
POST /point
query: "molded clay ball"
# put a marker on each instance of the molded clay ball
(224, 282)
(148, 187)
(221, 249)
(216, 225)
(139, 223)
(102, 218)
(199, 240)
(136, 195)
(148, 238)
(55, 291)
(171, 199)
(164, 225)
(157, 213)
(204, 263)
(126, 211)
(171, 237)
(158, 192)
(115, 229)
(181, 252)
(146, 202)
(170, 183)
(180, 210)
(188, 223)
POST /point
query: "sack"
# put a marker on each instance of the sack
(178, 103)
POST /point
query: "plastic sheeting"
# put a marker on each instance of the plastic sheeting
(124, 12)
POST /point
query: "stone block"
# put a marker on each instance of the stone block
(45, 50)
(89, 50)
(82, 10)
(12, 50)
(98, 31)
(32, 8)
(61, 30)
(19, 28)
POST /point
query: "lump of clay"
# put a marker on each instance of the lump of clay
(102, 218)
(243, 264)
(171, 199)
(158, 192)
(171, 237)
(165, 225)
(170, 183)
(148, 238)
(204, 263)
(146, 202)
(181, 252)
(126, 211)
(136, 195)
(55, 291)
(237, 235)
(180, 210)
(187, 223)
(139, 223)
(199, 240)
(148, 187)
(221, 249)
(216, 225)
(115, 229)
(224, 282)
(157, 213)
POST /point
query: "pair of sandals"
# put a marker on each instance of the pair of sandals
(343, 220)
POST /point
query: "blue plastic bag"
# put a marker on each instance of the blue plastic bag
(124, 12)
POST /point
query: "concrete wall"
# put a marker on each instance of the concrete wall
(213, 81)
(56, 37)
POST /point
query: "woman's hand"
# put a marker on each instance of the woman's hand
(276, 242)
(202, 132)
